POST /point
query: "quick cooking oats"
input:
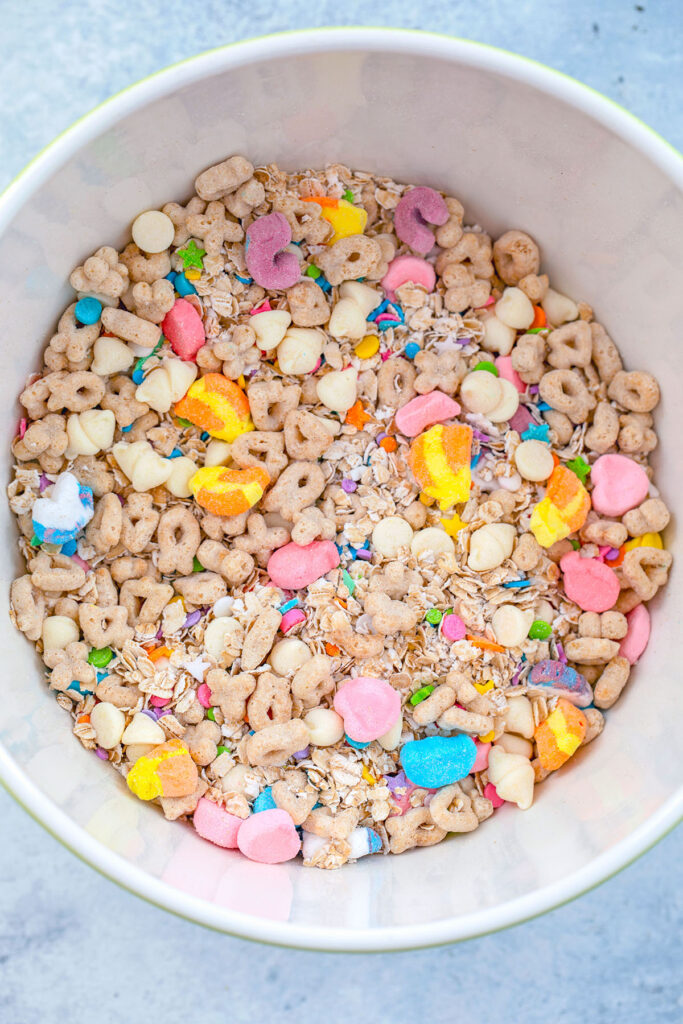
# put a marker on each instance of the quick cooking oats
(338, 519)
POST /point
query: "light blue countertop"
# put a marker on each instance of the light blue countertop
(75, 948)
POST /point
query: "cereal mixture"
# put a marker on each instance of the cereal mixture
(338, 520)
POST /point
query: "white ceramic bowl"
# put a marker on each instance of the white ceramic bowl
(522, 146)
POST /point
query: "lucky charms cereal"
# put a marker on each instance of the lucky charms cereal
(338, 520)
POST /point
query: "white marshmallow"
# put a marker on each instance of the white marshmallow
(270, 327)
(108, 722)
(515, 309)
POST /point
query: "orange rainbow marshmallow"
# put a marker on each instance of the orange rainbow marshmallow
(563, 510)
(440, 461)
(560, 735)
(228, 492)
(217, 405)
(345, 218)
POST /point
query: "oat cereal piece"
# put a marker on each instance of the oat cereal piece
(273, 745)
(414, 828)
(349, 258)
(101, 275)
(223, 178)
(129, 327)
(516, 255)
(145, 599)
(270, 402)
(270, 444)
(260, 638)
(70, 348)
(104, 627)
(636, 391)
(299, 486)
(308, 305)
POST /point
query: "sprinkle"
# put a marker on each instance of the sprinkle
(462, 341)
(192, 619)
(348, 582)
(197, 565)
(35, 543)
(433, 616)
(221, 749)
(124, 430)
(484, 687)
(363, 553)
(483, 644)
(245, 280)
(23, 427)
(294, 603)
(421, 694)
(369, 778)
(300, 755)
(175, 454)
(348, 196)
(411, 349)
(388, 444)
(44, 483)
(356, 744)
(100, 656)
(349, 486)
(518, 584)
(69, 548)
(332, 650)
(453, 525)
(560, 653)
(540, 630)
(102, 754)
(210, 714)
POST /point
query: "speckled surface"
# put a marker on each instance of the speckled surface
(73, 947)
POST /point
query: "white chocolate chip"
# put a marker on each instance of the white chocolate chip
(490, 546)
(391, 739)
(513, 744)
(515, 309)
(217, 634)
(58, 632)
(325, 727)
(480, 391)
(432, 540)
(217, 453)
(288, 655)
(142, 465)
(153, 231)
(300, 350)
(108, 722)
(390, 535)
(511, 624)
(89, 432)
(498, 337)
(338, 390)
(111, 355)
(182, 471)
(558, 308)
(508, 404)
(519, 716)
(534, 460)
(143, 729)
(513, 777)
(270, 327)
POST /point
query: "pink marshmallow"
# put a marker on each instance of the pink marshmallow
(266, 262)
(491, 793)
(408, 268)
(183, 327)
(269, 837)
(423, 411)
(368, 706)
(204, 695)
(293, 566)
(638, 634)
(291, 618)
(521, 420)
(216, 824)
(619, 484)
(418, 208)
(159, 702)
(589, 582)
(452, 627)
(481, 761)
(504, 366)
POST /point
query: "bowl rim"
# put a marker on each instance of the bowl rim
(114, 867)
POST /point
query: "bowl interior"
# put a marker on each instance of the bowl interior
(510, 142)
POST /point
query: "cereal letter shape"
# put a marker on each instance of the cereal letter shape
(408, 268)
(167, 771)
(423, 411)
(589, 583)
(228, 492)
(438, 760)
(561, 680)
(266, 262)
(563, 510)
(560, 735)
(619, 484)
(368, 706)
(440, 462)
(217, 405)
(59, 518)
(183, 327)
(293, 566)
(418, 208)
